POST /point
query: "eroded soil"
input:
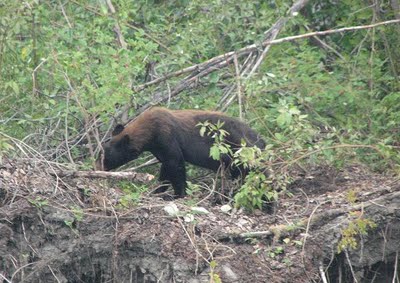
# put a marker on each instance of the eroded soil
(75, 230)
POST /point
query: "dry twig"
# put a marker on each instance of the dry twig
(140, 177)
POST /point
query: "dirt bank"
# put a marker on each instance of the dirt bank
(75, 230)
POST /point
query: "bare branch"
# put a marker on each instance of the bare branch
(117, 28)
(134, 176)
(327, 32)
(324, 45)
(221, 61)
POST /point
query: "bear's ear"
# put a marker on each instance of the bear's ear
(118, 129)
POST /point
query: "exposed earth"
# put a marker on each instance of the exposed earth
(68, 229)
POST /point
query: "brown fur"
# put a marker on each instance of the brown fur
(173, 137)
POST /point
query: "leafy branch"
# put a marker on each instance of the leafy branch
(217, 63)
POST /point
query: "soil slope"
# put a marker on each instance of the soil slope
(76, 230)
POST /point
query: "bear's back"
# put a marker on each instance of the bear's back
(186, 122)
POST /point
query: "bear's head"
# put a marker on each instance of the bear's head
(117, 152)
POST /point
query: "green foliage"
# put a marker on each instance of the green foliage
(77, 216)
(257, 187)
(63, 72)
(214, 277)
(255, 191)
(79, 67)
(216, 132)
(5, 145)
(69, 223)
(39, 202)
(247, 156)
(132, 193)
(351, 196)
(78, 213)
(353, 231)
(357, 227)
(191, 190)
(274, 252)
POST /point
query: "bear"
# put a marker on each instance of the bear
(173, 137)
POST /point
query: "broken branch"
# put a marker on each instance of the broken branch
(134, 176)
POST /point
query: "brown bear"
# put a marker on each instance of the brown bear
(173, 137)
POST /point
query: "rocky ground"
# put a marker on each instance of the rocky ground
(71, 229)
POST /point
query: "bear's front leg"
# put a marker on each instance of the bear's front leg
(175, 172)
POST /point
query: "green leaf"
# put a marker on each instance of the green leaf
(214, 77)
(14, 86)
(215, 153)
(284, 119)
(213, 264)
(202, 131)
